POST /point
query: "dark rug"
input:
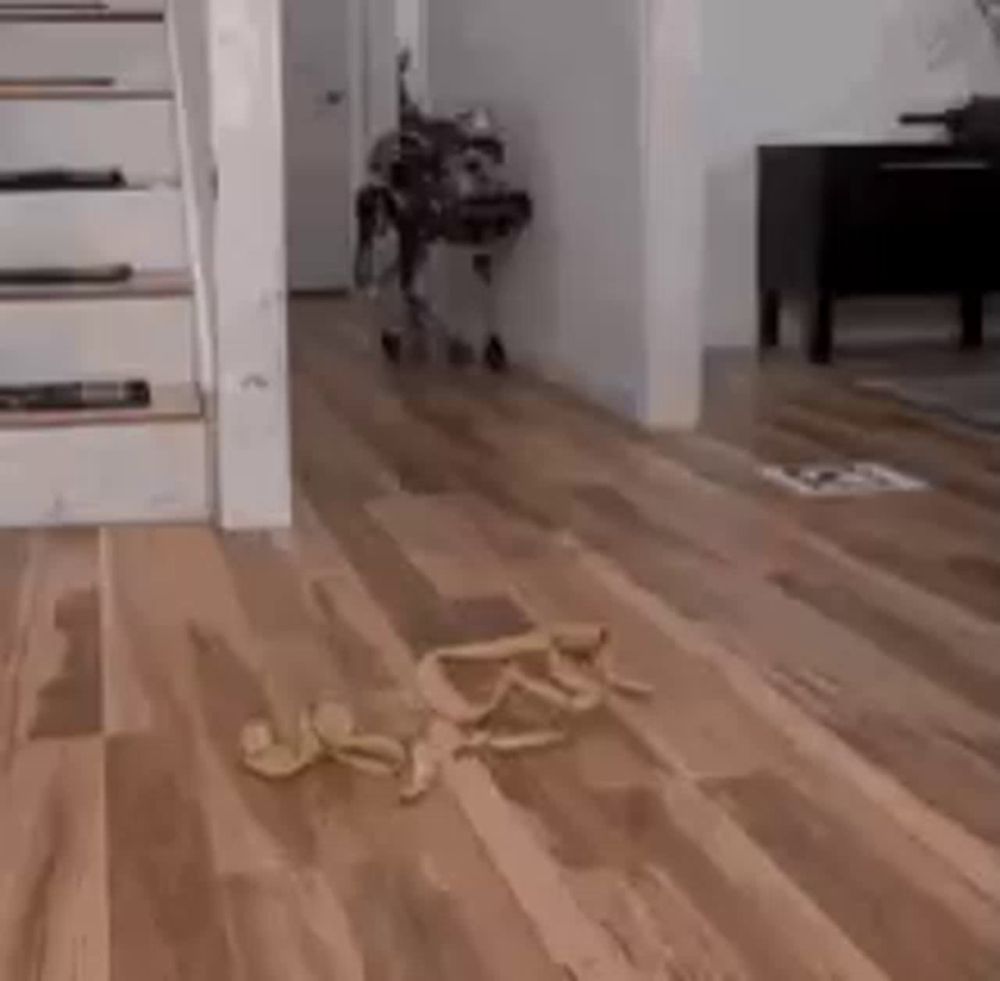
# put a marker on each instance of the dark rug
(971, 397)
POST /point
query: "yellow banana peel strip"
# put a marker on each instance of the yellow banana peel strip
(576, 675)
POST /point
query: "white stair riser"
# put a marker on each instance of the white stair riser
(104, 474)
(71, 228)
(138, 136)
(134, 52)
(70, 340)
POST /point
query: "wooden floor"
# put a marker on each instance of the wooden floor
(814, 792)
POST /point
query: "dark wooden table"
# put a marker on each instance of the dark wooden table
(876, 219)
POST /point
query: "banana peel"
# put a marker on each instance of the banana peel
(326, 730)
(523, 742)
(264, 754)
(571, 672)
(424, 766)
(579, 671)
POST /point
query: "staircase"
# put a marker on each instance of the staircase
(98, 267)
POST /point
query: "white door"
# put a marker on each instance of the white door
(318, 136)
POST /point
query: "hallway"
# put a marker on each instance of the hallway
(813, 792)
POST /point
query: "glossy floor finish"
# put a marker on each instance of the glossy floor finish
(814, 792)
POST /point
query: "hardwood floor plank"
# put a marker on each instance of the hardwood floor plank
(411, 930)
(975, 679)
(444, 464)
(574, 943)
(127, 708)
(826, 424)
(750, 618)
(904, 930)
(60, 676)
(701, 725)
(577, 944)
(378, 870)
(728, 733)
(13, 561)
(890, 716)
(14, 590)
(377, 418)
(70, 704)
(602, 812)
(833, 399)
(864, 551)
(211, 683)
(53, 895)
(653, 954)
(287, 912)
(255, 826)
(266, 587)
(166, 904)
(645, 559)
(441, 544)
(911, 553)
(724, 523)
(977, 862)
(434, 910)
(417, 612)
(697, 484)
(347, 830)
(727, 473)
(355, 469)
(169, 634)
(812, 791)
(289, 925)
(834, 674)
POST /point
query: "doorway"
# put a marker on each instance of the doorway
(340, 95)
(318, 107)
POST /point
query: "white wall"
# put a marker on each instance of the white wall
(410, 22)
(566, 81)
(381, 93)
(600, 104)
(411, 33)
(813, 70)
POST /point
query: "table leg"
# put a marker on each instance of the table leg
(820, 341)
(770, 319)
(972, 320)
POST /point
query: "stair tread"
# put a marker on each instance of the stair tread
(80, 13)
(81, 180)
(131, 184)
(170, 404)
(144, 283)
(42, 90)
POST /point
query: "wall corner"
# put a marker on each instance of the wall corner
(673, 184)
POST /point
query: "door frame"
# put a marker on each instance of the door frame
(372, 98)
(347, 91)
(357, 99)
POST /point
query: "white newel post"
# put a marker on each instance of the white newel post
(674, 208)
(252, 416)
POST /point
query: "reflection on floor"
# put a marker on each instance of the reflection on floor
(814, 792)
